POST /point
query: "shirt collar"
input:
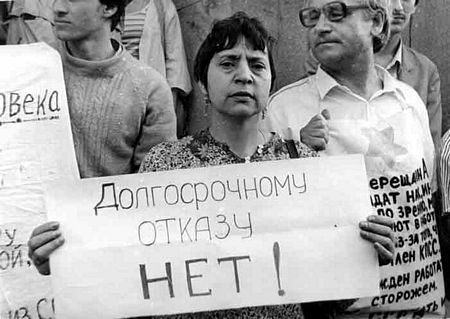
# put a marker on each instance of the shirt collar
(325, 82)
(389, 82)
(397, 58)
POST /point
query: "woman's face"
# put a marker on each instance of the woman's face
(239, 81)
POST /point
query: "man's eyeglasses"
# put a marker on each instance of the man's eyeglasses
(333, 11)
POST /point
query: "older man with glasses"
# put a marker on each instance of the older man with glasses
(353, 106)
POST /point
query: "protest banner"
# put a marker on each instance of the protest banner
(35, 147)
(212, 238)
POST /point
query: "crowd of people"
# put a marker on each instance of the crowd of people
(366, 92)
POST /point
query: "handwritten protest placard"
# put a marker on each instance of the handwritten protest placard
(35, 146)
(212, 238)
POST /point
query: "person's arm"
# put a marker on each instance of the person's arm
(159, 123)
(434, 107)
(3, 15)
(44, 240)
(177, 73)
(180, 112)
(444, 183)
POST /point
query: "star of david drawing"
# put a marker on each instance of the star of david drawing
(381, 144)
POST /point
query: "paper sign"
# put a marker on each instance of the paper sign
(212, 238)
(35, 146)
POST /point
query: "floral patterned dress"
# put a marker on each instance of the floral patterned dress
(203, 150)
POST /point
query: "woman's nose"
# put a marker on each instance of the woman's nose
(244, 73)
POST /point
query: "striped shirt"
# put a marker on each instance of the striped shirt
(444, 172)
(132, 33)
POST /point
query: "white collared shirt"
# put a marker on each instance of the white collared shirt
(292, 107)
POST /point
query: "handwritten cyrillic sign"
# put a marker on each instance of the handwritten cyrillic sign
(212, 238)
(35, 146)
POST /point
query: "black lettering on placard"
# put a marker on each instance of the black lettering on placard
(53, 102)
(184, 229)
(44, 307)
(429, 249)
(183, 194)
(191, 274)
(234, 260)
(425, 234)
(427, 271)
(126, 198)
(171, 195)
(404, 180)
(404, 257)
(115, 199)
(384, 199)
(218, 191)
(145, 281)
(401, 225)
(165, 222)
(387, 212)
(141, 190)
(266, 186)
(251, 188)
(418, 193)
(236, 190)
(404, 295)
(424, 168)
(205, 228)
(189, 277)
(7, 236)
(12, 258)
(249, 227)
(222, 219)
(201, 193)
(415, 210)
(395, 281)
(428, 308)
(21, 313)
(190, 229)
(16, 107)
(427, 218)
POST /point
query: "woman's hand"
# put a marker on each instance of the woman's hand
(378, 230)
(315, 134)
(44, 240)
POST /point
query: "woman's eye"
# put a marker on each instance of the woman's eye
(259, 66)
(227, 64)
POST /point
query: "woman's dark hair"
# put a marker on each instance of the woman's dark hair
(120, 4)
(225, 34)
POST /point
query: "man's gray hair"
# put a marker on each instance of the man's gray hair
(375, 7)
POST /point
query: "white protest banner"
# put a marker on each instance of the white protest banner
(212, 238)
(35, 147)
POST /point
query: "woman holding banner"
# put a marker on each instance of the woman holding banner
(235, 71)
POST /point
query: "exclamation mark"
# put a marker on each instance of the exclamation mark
(276, 255)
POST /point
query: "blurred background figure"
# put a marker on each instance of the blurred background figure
(412, 67)
(151, 33)
(4, 8)
(31, 21)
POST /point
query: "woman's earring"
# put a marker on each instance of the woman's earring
(264, 113)
(207, 103)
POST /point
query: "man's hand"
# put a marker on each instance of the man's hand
(315, 134)
(378, 230)
(44, 240)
